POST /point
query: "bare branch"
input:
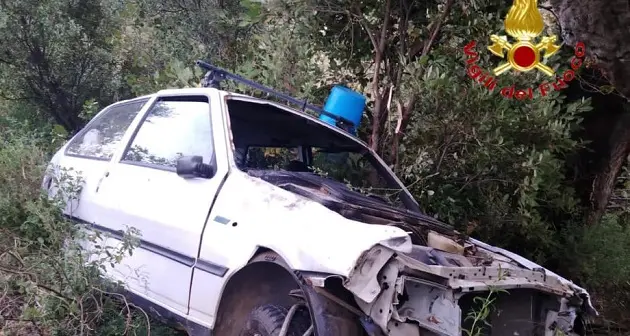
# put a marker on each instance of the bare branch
(365, 26)
(426, 48)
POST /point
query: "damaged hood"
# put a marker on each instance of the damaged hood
(353, 205)
(449, 259)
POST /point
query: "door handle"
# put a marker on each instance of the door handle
(98, 185)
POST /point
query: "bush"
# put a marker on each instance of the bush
(48, 285)
(493, 167)
(598, 257)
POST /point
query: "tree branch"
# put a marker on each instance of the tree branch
(405, 111)
(378, 98)
(418, 45)
(365, 26)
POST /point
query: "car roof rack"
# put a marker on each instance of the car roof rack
(215, 75)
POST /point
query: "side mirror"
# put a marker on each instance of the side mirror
(193, 166)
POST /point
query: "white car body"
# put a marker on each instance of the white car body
(197, 233)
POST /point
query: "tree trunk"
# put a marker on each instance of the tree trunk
(606, 178)
(379, 54)
(603, 26)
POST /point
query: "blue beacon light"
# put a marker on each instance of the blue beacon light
(344, 103)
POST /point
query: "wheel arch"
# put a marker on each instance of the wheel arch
(268, 278)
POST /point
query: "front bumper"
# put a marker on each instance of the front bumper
(405, 296)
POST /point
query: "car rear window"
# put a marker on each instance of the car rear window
(101, 137)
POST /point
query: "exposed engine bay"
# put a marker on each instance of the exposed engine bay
(447, 282)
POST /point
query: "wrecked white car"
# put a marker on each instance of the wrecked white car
(259, 219)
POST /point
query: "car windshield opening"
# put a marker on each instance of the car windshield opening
(267, 137)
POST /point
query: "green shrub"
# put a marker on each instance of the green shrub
(47, 284)
(598, 257)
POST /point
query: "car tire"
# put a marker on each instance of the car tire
(267, 320)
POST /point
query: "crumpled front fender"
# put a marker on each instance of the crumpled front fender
(404, 296)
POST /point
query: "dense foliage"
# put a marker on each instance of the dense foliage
(502, 170)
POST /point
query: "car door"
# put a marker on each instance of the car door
(89, 153)
(169, 211)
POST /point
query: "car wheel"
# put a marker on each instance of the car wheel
(267, 320)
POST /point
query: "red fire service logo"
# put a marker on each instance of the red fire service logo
(524, 24)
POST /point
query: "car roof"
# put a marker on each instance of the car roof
(192, 91)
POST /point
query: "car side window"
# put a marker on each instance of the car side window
(101, 137)
(172, 129)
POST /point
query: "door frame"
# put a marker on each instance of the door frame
(219, 158)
